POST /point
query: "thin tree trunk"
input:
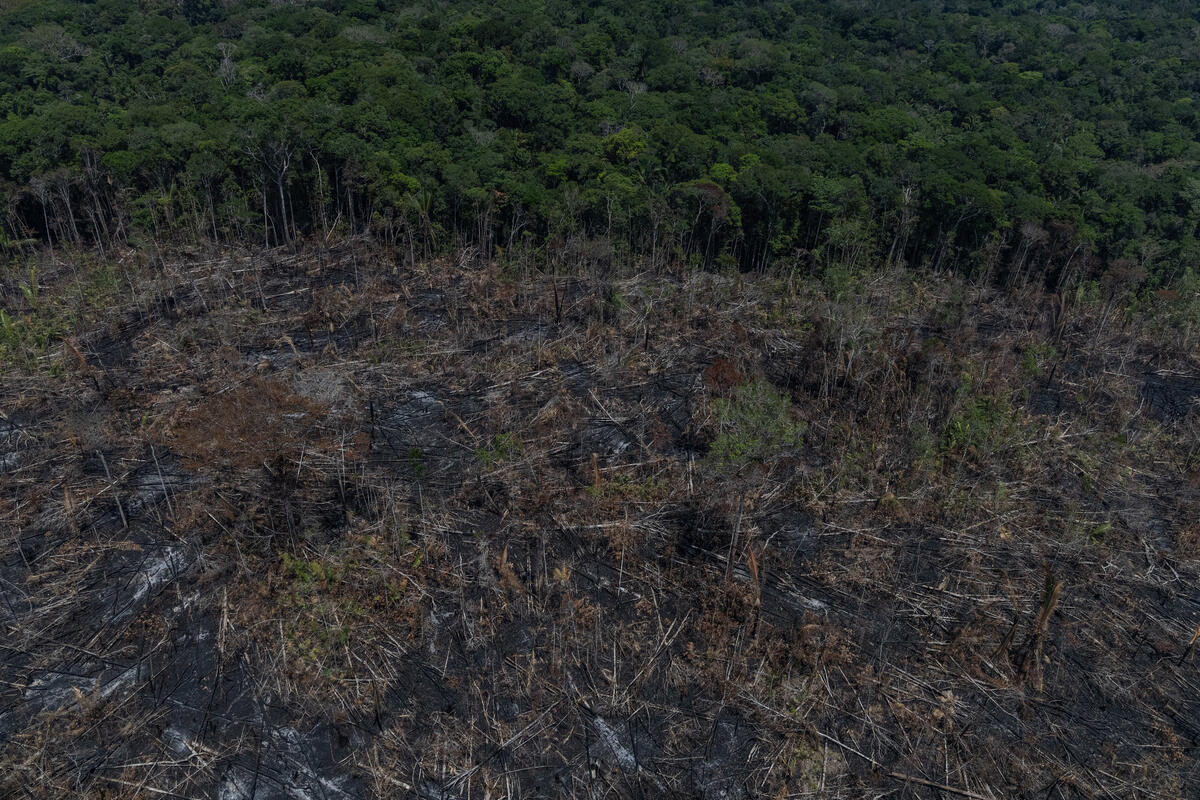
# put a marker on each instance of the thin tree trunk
(282, 206)
(266, 217)
(212, 214)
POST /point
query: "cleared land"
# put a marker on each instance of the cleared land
(306, 525)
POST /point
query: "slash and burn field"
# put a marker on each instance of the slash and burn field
(309, 525)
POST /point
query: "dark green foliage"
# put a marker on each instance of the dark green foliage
(981, 425)
(1033, 142)
(755, 425)
(500, 449)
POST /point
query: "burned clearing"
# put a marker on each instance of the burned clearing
(311, 525)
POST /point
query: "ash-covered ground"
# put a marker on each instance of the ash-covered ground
(312, 525)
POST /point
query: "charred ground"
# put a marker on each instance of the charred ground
(309, 525)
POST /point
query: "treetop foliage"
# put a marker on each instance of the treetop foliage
(1041, 139)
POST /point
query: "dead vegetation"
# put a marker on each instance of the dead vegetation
(286, 525)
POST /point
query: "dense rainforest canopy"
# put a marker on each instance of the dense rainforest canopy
(1034, 140)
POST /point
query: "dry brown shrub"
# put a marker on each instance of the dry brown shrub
(508, 576)
(1188, 541)
(722, 376)
(256, 422)
(331, 306)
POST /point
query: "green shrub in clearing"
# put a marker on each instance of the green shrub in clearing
(501, 448)
(755, 425)
(981, 426)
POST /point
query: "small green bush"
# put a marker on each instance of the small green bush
(1035, 358)
(755, 425)
(981, 426)
(500, 449)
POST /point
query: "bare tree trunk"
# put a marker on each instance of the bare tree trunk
(266, 217)
(321, 198)
(282, 206)
(212, 213)
(64, 191)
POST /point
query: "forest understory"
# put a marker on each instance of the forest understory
(308, 524)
